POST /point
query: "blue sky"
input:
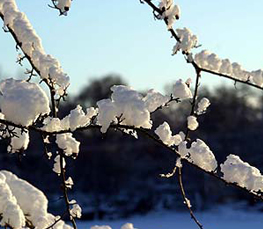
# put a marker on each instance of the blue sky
(121, 36)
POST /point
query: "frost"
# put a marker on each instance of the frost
(181, 90)
(201, 155)
(203, 105)
(187, 41)
(192, 123)
(20, 141)
(56, 167)
(127, 105)
(245, 175)
(68, 144)
(154, 99)
(22, 102)
(165, 134)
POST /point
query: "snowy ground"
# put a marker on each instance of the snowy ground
(220, 218)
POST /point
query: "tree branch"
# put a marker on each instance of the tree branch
(186, 201)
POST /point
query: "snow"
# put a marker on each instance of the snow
(203, 105)
(20, 141)
(201, 155)
(32, 202)
(49, 67)
(211, 61)
(221, 217)
(77, 118)
(245, 175)
(22, 102)
(155, 99)
(181, 90)
(192, 123)
(171, 12)
(68, 144)
(75, 211)
(10, 211)
(187, 41)
(56, 167)
(69, 183)
(63, 5)
(100, 227)
(165, 134)
(126, 104)
(128, 226)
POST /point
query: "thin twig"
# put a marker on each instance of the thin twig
(65, 190)
(186, 201)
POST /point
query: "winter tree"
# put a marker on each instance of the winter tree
(25, 107)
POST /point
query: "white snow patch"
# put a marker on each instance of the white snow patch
(242, 173)
(22, 102)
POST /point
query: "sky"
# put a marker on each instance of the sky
(122, 37)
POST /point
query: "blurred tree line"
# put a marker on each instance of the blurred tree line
(116, 175)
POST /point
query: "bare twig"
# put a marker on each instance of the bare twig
(186, 201)
(65, 190)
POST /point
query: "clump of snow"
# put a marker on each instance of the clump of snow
(211, 61)
(203, 105)
(155, 99)
(63, 5)
(10, 211)
(20, 141)
(192, 123)
(56, 167)
(165, 134)
(201, 155)
(77, 118)
(187, 41)
(170, 11)
(68, 144)
(49, 67)
(242, 173)
(75, 211)
(181, 90)
(69, 183)
(127, 105)
(31, 201)
(22, 102)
